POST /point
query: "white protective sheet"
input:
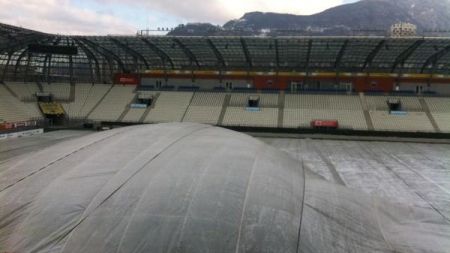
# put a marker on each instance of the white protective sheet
(194, 188)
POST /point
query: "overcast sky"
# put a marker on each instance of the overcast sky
(100, 17)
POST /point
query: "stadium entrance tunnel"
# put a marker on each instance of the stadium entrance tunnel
(184, 187)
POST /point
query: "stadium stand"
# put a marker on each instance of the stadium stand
(438, 104)
(411, 122)
(170, 107)
(12, 110)
(134, 114)
(301, 109)
(58, 90)
(24, 90)
(348, 119)
(266, 116)
(239, 116)
(86, 97)
(304, 87)
(205, 108)
(442, 120)
(324, 102)
(408, 103)
(113, 104)
(265, 100)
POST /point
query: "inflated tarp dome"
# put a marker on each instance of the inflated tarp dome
(194, 188)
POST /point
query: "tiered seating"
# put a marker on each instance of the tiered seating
(442, 120)
(379, 103)
(170, 107)
(239, 116)
(113, 104)
(86, 97)
(205, 108)
(324, 102)
(437, 104)
(301, 109)
(440, 110)
(412, 122)
(96, 93)
(265, 100)
(135, 114)
(58, 90)
(23, 90)
(12, 110)
(348, 119)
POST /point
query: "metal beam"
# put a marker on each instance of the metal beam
(24, 52)
(48, 58)
(105, 52)
(373, 54)
(187, 52)
(164, 57)
(108, 59)
(405, 54)
(277, 54)
(131, 51)
(435, 58)
(91, 56)
(248, 57)
(21, 43)
(308, 54)
(340, 55)
(70, 69)
(219, 56)
(6, 67)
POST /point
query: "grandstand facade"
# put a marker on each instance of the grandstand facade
(356, 82)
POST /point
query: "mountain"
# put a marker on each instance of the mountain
(366, 17)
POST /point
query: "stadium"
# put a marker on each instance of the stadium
(350, 148)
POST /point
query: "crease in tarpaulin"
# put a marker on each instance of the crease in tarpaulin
(303, 206)
(408, 184)
(246, 196)
(59, 159)
(34, 201)
(144, 192)
(374, 202)
(84, 216)
(183, 226)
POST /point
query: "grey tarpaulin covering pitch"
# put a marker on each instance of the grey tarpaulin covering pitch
(194, 188)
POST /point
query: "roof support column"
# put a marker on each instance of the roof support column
(308, 58)
(91, 57)
(371, 56)
(18, 63)
(71, 70)
(220, 61)
(6, 67)
(164, 57)
(277, 59)
(27, 69)
(434, 59)
(337, 63)
(132, 52)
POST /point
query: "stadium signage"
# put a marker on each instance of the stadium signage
(138, 106)
(126, 78)
(399, 113)
(321, 123)
(253, 109)
(21, 134)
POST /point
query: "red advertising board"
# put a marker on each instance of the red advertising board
(126, 78)
(322, 123)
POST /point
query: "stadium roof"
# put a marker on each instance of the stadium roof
(194, 188)
(107, 54)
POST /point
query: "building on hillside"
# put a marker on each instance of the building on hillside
(401, 30)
